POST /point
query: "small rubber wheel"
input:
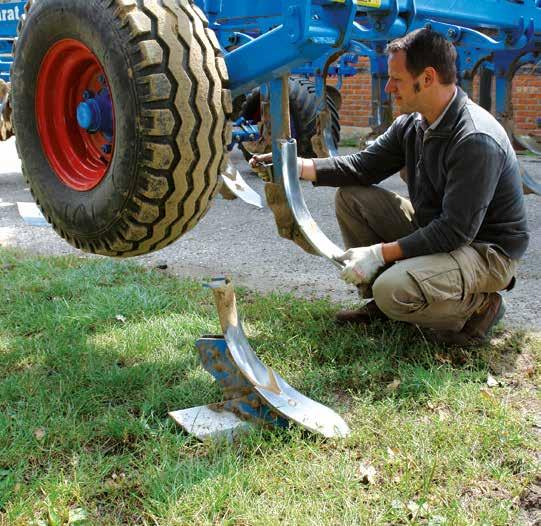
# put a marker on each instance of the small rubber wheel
(121, 121)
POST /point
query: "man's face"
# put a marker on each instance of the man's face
(405, 89)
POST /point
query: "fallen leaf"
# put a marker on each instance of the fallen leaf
(397, 504)
(394, 385)
(367, 473)
(40, 433)
(78, 517)
(442, 414)
(492, 382)
(485, 393)
(391, 453)
(416, 509)
(437, 520)
(120, 318)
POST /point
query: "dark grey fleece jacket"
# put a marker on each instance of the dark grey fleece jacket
(463, 179)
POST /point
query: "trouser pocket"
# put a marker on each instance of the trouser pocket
(484, 268)
(441, 280)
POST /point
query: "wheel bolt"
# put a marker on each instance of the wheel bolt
(86, 94)
(101, 79)
(106, 148)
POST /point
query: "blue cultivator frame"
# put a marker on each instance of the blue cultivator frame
(9, 19)
(266, 39)
(286, 35)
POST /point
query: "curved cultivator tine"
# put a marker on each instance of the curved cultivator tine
(309, 228)
(529, 143)
(253, 392)
(531, 183)
(273, 389)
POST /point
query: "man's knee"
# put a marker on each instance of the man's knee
(348, 197)
(396, 294)
(353, 199)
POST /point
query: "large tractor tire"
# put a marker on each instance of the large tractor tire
(303, 114)
(120, 113)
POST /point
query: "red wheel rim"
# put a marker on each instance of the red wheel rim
(80, 159)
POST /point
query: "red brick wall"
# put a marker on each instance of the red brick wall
(527, 100)
(356, 103)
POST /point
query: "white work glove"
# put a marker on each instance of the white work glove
(362, 264)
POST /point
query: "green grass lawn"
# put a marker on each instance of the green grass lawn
(95, 352)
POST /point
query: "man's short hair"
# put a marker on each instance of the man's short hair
(425, 48)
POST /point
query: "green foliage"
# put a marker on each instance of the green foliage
(94, 353)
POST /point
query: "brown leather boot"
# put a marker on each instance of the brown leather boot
(477, 329)
(485, 319)
(364, 315)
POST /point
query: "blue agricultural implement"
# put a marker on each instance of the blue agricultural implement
(123, 112)
(123, 108)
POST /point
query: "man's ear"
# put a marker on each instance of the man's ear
(429, 77)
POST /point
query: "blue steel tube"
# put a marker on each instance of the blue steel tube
(501, 14)
(280, 123)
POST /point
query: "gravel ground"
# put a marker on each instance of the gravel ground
(239, 240)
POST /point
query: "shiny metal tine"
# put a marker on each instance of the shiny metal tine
(304, 219)
(239, 187)
(531, 185)
(529, 143)
(273, 389)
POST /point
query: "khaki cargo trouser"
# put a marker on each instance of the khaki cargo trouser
(438, 291)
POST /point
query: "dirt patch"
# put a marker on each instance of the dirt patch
(530, 504)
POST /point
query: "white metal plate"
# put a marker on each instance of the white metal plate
(204, 422)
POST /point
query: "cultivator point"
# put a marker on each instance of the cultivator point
(238, 187)
(253, 392)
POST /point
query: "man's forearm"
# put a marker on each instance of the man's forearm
(307, 169)
(392, 252)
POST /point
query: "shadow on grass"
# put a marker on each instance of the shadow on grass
(382, 360)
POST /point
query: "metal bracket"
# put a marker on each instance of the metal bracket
(382, 27)
(475, 39)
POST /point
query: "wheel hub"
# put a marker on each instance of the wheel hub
(95, 113)
(75, 115)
